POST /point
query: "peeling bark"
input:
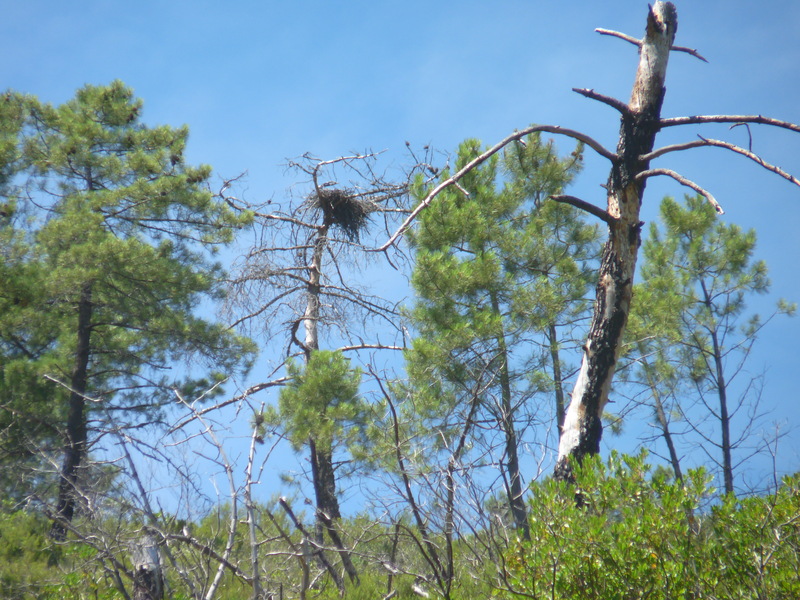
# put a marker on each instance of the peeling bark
(583, 427)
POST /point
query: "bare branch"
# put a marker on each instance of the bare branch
(370, 347)
(691, 51)
(638, 43)
(619, 105)
(208, 551)
(683, 181)
(704, 142)
(752, 156)
(749, 133)
(702, 119)
(623, 36)
(585, 206)
(238, 398)
(72, 390)
(517, 135)
(671, 148)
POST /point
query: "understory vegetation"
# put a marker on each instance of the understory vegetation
(638, 533)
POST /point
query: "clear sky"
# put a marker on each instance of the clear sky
(260, 82)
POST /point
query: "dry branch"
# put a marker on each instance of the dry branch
(195, 414)
(453, 180)
(683, 181)
(735, 119)
(638, 43)
(612, 102)
(705, 142)
(585, 206)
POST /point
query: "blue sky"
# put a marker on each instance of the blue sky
(260, 82)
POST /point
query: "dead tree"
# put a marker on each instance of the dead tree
(630, 169)
(298, 277)
(148, 582)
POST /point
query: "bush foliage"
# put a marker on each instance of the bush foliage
(638, 533)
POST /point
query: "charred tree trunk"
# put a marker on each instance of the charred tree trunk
(76, 434)
(583, 427)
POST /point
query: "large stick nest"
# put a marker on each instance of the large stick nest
(343, 209)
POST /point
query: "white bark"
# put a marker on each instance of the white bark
(582, 423)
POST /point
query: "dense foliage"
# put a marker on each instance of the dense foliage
(640, 533)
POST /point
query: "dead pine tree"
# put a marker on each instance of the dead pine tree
(630, 169)
(299, 282)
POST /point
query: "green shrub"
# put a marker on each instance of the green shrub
(639, 534)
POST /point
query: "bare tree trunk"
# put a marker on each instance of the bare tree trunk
(148, 582)
(311, 316)
(75, 446)
(583, 427)
(323, 475)
(722, 394)
(513, 477)
(250, 507)
(661, 416)
(558, 380)
(663, 423)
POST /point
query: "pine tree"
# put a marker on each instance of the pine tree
(698, 275)
(119, 263)
(320, 409)
(497, 269)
